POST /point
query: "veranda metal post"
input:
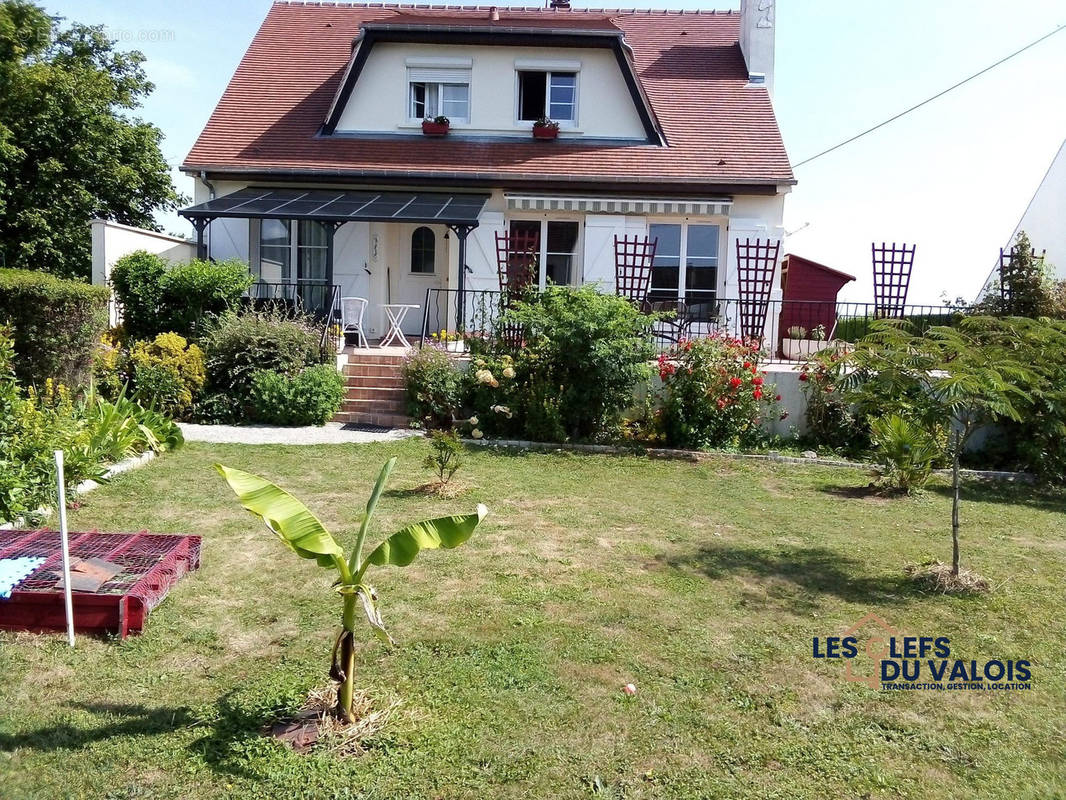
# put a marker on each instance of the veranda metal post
(65, 544)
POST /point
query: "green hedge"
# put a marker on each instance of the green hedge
(157, 297)
(57, 323)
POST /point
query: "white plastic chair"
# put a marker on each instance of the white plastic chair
(352, 310)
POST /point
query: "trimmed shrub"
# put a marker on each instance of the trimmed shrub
(157, 297)
(57, 325)
(310, 397)
(239, 345)
(714, 394)
(137, 280)
(167, 373)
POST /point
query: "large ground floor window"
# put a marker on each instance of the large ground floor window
(686, 266)
(290, 251)
(558, 249)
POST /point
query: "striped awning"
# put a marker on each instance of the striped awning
(702, 207)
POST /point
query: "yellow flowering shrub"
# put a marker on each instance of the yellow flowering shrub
(167, 373)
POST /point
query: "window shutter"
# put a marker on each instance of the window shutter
(438, 75)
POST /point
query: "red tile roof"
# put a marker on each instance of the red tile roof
(720, 132)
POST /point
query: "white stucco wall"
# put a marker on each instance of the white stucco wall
(1045, 218)
(372, 260)
(379, 100)
(111, 241)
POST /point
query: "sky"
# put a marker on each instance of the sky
(953, 177)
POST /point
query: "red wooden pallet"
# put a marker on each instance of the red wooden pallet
(151, 563)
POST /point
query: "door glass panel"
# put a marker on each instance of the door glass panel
(311, 265)
(701, 271)
(524, 266)
(559, 258)
(274, 252)
(666, 267)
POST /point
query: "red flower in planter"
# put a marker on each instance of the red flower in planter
(735, 382)
(756, 381)
(803, 376)
(757, 394)
(747, 365)
(778, 399)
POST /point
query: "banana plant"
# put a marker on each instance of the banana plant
(301, 532)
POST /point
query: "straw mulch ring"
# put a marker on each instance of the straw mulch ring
(936, 576)
(315, 725)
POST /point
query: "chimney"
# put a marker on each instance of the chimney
(559, 4)
(757, 41)
(494, 14)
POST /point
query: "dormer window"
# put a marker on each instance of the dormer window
(438, 91)
(548, 93)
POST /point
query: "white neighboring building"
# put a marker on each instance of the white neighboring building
(1044, 219)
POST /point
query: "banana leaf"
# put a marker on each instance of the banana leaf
(402, 547)
(286, 516)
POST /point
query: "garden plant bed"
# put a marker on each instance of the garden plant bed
(702, 584)
(150, 564)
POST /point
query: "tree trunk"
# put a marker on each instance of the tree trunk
(347, 655)
(955, 508)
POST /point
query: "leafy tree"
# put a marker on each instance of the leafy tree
(69, 148)
(1025, 288)
(956, 379)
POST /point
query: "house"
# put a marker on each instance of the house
(315, 169)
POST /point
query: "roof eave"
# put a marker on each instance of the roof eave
(662, 184)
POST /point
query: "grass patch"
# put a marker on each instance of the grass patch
(703, 584)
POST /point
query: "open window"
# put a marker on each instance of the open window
(544, 93)
(433, 92)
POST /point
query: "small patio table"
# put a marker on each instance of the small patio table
(396, 313)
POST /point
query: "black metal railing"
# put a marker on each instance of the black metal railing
(320, 301)
(784, 319)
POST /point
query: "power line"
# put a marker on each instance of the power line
(931, 99)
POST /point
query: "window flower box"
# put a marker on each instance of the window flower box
(545, 130)
(438, 126)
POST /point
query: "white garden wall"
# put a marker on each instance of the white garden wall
(111, 241)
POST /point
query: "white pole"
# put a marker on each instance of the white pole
(61, 484)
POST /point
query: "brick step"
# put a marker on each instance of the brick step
(367, 381)
(398, 406)
(363, 418)
(388, 394)
(377, 370)
(374, 358)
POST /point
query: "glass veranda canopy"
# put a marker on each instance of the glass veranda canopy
(339, 205)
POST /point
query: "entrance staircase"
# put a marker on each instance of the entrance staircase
(375, 390)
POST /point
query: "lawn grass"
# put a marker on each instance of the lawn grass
(701, 583)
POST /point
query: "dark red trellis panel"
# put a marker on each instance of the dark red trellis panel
(892, 277)
(517, 254)
(1007, 261)
(756, 267)
(633, 258)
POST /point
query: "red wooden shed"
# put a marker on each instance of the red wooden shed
(809, 294)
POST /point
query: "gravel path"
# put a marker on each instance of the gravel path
(330, 433)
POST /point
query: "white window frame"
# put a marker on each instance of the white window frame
(684, 222)
(576, 265)
(255, 230)
(438, 77)
(549, 68)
